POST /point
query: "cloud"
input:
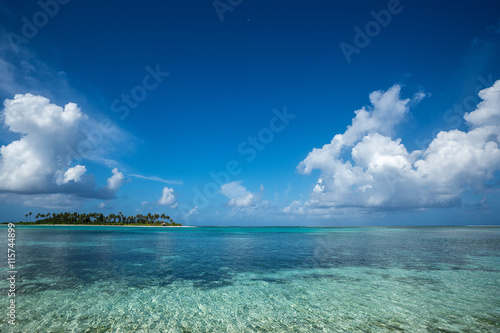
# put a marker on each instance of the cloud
(39, 162)
(365, 167)
(74, 174)
(386, 112)
(295, 207)
(157, 179)
(7, 84)
(167, 197)
(115, 180)
(22, 72)
(48, 201)
(192, 212)
(247, 205)
(237, 194)
(488, 111)
(46, 130)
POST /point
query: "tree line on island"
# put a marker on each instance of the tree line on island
(101, 219)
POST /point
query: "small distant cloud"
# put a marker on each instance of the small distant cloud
(192, 212)
(75, 173)
(419, 96)
(167, 197)
(237, 194)
(115, 180)
(157, 179)
(294, 208)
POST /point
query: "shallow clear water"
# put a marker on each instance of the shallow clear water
(99, 279)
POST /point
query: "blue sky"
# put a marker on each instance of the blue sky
(243, 112)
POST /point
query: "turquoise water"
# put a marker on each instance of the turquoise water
(121, 279)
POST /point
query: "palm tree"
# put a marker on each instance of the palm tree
(30, 215)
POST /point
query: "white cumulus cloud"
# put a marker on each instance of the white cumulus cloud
(366, 167)
(295, 207)
(39, 162)
(237, 194)
(72, 174)
(167, 197)
(115, 180)
(46, 130)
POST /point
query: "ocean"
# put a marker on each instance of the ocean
(254, 279)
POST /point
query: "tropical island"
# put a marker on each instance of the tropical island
(100, 219)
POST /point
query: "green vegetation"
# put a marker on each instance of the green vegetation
(101, 219)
